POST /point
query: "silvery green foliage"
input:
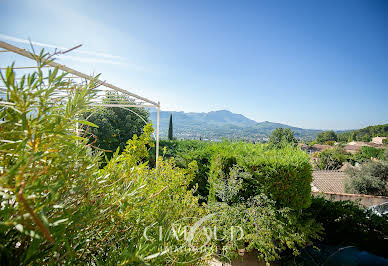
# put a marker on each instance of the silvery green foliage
(371, 178)
(228, 187)
(256, 223)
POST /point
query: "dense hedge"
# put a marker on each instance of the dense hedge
(283, 174)
(184, 152)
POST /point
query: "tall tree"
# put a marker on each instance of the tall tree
(116, 125)
(170, 133)
(326, 136)
(282, 136)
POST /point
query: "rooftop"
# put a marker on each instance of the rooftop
(328, 181)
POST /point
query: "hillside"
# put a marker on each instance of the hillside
(216, 125)
(365, 134)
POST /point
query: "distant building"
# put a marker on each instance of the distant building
(378, 140)
(352, 148)
(321, 147)
(355, 146)
(314, 148)
(303, 146)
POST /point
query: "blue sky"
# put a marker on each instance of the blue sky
(312, 64)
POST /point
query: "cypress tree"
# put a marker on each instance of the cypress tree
(170, 135)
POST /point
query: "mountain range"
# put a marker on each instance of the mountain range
(216, 125)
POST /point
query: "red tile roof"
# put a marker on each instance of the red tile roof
(329, 181)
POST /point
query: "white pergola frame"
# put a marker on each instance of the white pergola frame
(149, 104)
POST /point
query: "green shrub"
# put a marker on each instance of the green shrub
(283, 174)
(46, 169)
(58, 206)
(186, 151)
(371, 178)
(166, 198)
(257, 223)
(329, 142)
(366, 153)
(330, 159)
(347, 224)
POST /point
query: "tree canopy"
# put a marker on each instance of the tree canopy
(282, 136)
(326, 136)
(364, 134)
(116, 125)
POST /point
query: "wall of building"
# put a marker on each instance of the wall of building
(366, 200)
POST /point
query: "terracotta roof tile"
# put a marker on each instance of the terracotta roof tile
(329, 181)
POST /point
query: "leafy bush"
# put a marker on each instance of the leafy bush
(267, 228)
(330, 159)
(165, 198)
(366, 153)
(285, 173)
(282, 174)
(186, 151)
(371, 178)
(256, 223)
(329, 142)
(58, 206)
(347, 224)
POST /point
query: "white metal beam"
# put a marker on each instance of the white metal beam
(23, 52)
(124, 105)
(26, 67)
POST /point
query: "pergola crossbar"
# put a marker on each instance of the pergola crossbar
(11, 48)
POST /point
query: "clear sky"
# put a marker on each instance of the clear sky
(312, 64)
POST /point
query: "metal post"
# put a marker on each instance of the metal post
(157, 135)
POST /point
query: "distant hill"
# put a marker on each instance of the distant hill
(365, 134)
(217, 125)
